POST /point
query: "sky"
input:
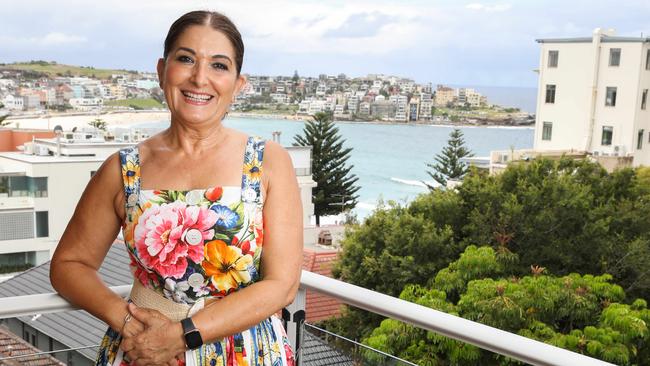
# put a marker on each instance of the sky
(457, 42)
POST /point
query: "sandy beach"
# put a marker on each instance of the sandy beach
(79, 120)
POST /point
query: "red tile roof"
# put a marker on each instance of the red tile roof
(11, 345)
(320, 307)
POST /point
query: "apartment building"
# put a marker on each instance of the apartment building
(426, 104)
(445, 96)
(414, 109)
(593, 96)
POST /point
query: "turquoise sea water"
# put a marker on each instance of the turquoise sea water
(390, 159)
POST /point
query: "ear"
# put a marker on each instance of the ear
(239, 85)
(160, 67)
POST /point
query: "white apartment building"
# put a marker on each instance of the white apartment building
(426, 103)
(401, 111)
(40, 188)
(14, 102)
(593, 96)
(353, 104)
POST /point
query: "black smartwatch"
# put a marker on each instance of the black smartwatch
(192, 336)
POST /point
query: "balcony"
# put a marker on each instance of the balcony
(301, 334)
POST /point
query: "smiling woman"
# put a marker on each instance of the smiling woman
(196, 207)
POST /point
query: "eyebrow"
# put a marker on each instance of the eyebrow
(213, 56)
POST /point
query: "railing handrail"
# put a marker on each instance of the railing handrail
(483, 336)
(486, 337)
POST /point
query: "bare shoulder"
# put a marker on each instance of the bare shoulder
(108, 180)
(276, 159)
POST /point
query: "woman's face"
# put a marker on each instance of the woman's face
(199, 76)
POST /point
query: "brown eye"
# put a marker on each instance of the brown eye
(184, 59)
(220, 66)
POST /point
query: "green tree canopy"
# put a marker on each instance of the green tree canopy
(561, 216)
(336, 189)
(580, 313)
(447, 163)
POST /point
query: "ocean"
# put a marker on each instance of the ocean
(389, 159)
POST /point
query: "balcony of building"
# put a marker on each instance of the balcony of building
(313, 345)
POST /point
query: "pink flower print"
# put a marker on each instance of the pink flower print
(168, 234)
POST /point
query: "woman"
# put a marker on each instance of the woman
(194, 222)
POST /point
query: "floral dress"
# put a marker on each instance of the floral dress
(203, 243)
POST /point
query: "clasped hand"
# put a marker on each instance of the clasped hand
(151, 338)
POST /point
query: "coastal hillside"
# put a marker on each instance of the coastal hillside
(52, 69)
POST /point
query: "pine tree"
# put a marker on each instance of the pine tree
(336, 186)
(448, 165)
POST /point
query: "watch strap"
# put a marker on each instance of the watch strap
(193, 339)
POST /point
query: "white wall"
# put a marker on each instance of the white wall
(581, 67)
(570, 112)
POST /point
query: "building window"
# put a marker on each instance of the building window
(552, 58)
(42, 225)
(610, 96)
(614, 56)
(639, 140)
(550, 93)
(608, 132)
(547, 131)
(647, 60)
(644, 98)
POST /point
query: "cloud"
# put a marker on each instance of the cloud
(498, 8)
(361, 25)
(50, 39)
(57, 38)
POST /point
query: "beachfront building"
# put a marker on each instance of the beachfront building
(426, 105)
(414, 109)
(14, 102)
(593, 97)
(40, 187)
(401, 107)
(444, 96)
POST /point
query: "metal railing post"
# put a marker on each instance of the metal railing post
(294, 318)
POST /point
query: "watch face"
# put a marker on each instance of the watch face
(193, 339)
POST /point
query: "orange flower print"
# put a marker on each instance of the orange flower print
(214, 194)
(226, 266)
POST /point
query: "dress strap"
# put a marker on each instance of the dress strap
(130, 161)
(252, 175)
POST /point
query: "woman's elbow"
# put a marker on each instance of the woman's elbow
(291, 292)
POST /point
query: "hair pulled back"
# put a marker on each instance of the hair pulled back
(216, 21)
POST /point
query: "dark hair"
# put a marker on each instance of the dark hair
(217, 21)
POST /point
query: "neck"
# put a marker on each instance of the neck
(193, 141)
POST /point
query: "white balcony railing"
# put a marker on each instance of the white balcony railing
(495, 340)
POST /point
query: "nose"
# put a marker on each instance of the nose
(199, 76)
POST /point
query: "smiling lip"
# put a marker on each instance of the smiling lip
(196, 98)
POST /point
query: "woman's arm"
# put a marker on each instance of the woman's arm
(281, 263)
(85, 242)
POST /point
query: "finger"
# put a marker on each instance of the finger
(141, 314)
(126, 344)
(132, 328)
